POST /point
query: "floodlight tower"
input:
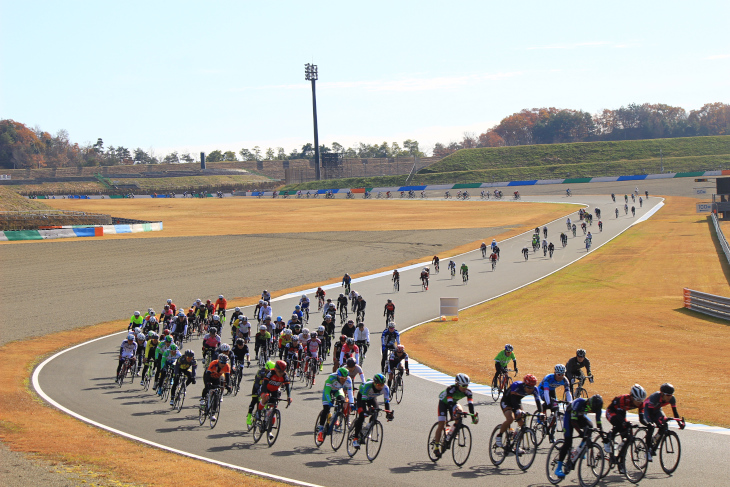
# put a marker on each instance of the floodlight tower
(310, 74)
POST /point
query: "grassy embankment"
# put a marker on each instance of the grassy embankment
(558, 161)
(12, 201)
(623, 304)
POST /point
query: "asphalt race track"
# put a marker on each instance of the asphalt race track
(81, 380)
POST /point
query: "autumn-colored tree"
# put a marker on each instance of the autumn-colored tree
(490, 138)
(711, 119)
(20, 147)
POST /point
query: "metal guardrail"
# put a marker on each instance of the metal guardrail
(709, 304)
(721, 237)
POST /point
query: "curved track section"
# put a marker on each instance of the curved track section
(80, 381)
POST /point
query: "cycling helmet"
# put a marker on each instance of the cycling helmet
(198, 301)
(391, 324)
(281, 365)
(137, 330)
(390, 300)
(305, 331)
(350, 342)
(351, 362)
(222, 359)
(267, 318)
(638, 393)
(167, 306)
(342, 295)
(262, 328)
(216, 318)
(342, 372)
(343, 338)
(140, 336)
(153, 319)
(189, 353)
(130, 336)
(168, 338)
(213, 330)
(596, 403)
(181, 313)
(297, 308)
(560, 369)
(152, 335)
(173, 347)
(165, 332)
(667, 388)
(169, 301)
(265, 292)
(530, 380)
(295, 338)
(294, 315)
(463, 263)
(508, 348)
(580, 353)
(278, 318)
(400, 348)
(220, 296)
(136, 313)
(225, 347)
(462, 380)
(287, 332)
(237, 309)
(239, 342)
(207, 301)
(320, 329)
(304, 296)
(270, 365)
(150, 310)
(242, 318)
(379, 379)
(261, 301)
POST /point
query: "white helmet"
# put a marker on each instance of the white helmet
(169, 301)
(304, 296)
(261, 301)
(638, 393)
(149, 310)
(136, 313)
(305, 331)
(462, 380)
(140, 336)
(560, 369)
(153, 320)
(216, 318)
(262, 328)
(220, 296)
(237, 309)
(320, 329)
(287, 332)
(225, 347)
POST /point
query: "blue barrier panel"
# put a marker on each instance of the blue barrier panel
(76, 197)
(523, 183)
(321, 191)
(412, 188)
(84, 232)
(256, 193)
(123, 228)
(639, 177)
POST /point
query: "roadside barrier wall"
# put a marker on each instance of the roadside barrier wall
(721, 237)
(79, 231)
(709, 304)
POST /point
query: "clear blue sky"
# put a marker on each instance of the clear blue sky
(203, 75)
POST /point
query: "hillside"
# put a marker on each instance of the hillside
(12, 201)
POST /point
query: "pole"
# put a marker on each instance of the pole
(661, 155)
(316, 133)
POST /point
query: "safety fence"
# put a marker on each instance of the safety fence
(71, 231)
(709, 304)
(38, 219)
(721, 237)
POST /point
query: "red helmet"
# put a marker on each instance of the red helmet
(165, 331)
(281, 365)
(530, 380)
(343, 338)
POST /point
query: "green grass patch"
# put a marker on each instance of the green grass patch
(189, 182)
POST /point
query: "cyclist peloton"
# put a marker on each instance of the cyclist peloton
(448, 406)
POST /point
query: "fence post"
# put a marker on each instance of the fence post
(687, 298)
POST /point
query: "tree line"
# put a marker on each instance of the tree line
(632, 122)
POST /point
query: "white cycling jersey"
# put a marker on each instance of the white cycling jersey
(129, 349)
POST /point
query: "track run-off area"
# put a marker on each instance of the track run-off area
(79, 381)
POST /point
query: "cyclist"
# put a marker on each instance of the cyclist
(449, 406)
(354, 370)
(179, 327)
(211, 340)
(336, 352)
(626, 209)
(493, 258)
(362, 338)
(576, 416)
(167, 364)
(517, 195)
(526, 252)
(320, 294)
(567, 222)
(284, 340)
(367, 397)
(220, 305)
(185, 366)
(135, 320)
(149, 353)
(389, 311)
(633, 211)
(483, 248)
(210, 308)
(464, 271)
(271, 386)
(349, 329)
(573, 228)
(349, 349)
(342, 304)
(240, 352)
(236, 313)
(583, 227)
(353, 299)
(568, 192)
(548, 385)
(128, 350)
(304, 303)
(218, 374)
(396, 276)
(613, 197)
(435, 262)
(572, 368)
(162, 347)
(261, 340)
(360, 309)
(501, 361)
(293, 350)
(653, 413)
(544, 231)
(329, 325)
(452, 267)
(424, 277)
(600, 226)
(512, 403)
(389, 340)
(279, 326)
(141, 341)
(551, 249)
(346, 280)
(312, 347)
(244, 329)
(616, 212)
(294, 321)
(544, 247)
(298, 311)
(334, 388)
(588, 240)
(172, 306)
(330, 309)
(616, 412)
(266, 296)
(394, 361)
(264, 311)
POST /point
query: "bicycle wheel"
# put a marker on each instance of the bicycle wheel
(496, 391)
(180, 396)
(215, 410)
(146, 382)
(538, 427)
(635, 461)
(351, 450)
(374, 441)
(497, 454)
(590, 465)
(432, 442)
(202, 414)
(273, 427)
(582, 393)
(461, 445)
(258, 426)
(398, 393)
(316, 430)
(552, 463)
(670, 452)
(525, 448)
(338, 430)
